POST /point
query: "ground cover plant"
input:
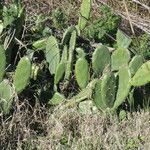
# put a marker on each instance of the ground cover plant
(91, 68)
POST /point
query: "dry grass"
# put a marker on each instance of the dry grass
(42, 130)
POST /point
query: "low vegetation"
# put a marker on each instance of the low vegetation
(82, 85)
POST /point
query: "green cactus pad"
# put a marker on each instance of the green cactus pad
(40, 44)
(124, 86)
(82, 72)
(69, 64)
(97, 96)
(84, 13)
(119, 59)
(56, 99)
(142, 76)
(22, 74)
(108, 89)
(67, 35)
(59, 72)
(123, 41)
(122, 115)
(6, 97)
(81, 53)
(82, 95)
(2, 62)
(135, 64)
(52, 54)
(100, 59)
(64, 56)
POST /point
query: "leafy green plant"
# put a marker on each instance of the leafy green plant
(59, 18)
(98, 29)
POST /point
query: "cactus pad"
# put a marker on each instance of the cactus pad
(57, 99)
(69, 64)
(22, 74)
(52, 54)
(124, 86)
(2, 62)
(100, 59)
(135, 64)
(40, 44)
(84, 13)
(67, 35)
(82, 72)
(97, 96)
(59, 72)
(108, 89)
(119, 59)
(142, 76)
(123, 41)
(6, 96)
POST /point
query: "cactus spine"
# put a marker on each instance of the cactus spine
(22, 74)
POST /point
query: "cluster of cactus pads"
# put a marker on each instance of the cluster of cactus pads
(107, 78)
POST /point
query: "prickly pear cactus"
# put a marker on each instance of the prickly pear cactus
(135, 64)
(84, 94)
(52, 54)
(56, 99)
(100, 59)
(123, 41)
(84, 13)
(69, 64)
(82, 71)
(2, 62)
(124, 86)
(108, 89)
(97, 96)
(22, 74)
(67, 35)
(6, 97)
(59, 73)
(119, 59)
(142, 76)
(40, 44)
(64, 56)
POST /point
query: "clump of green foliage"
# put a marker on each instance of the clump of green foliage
(100, 28)
(141, 45)
(59, 18)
